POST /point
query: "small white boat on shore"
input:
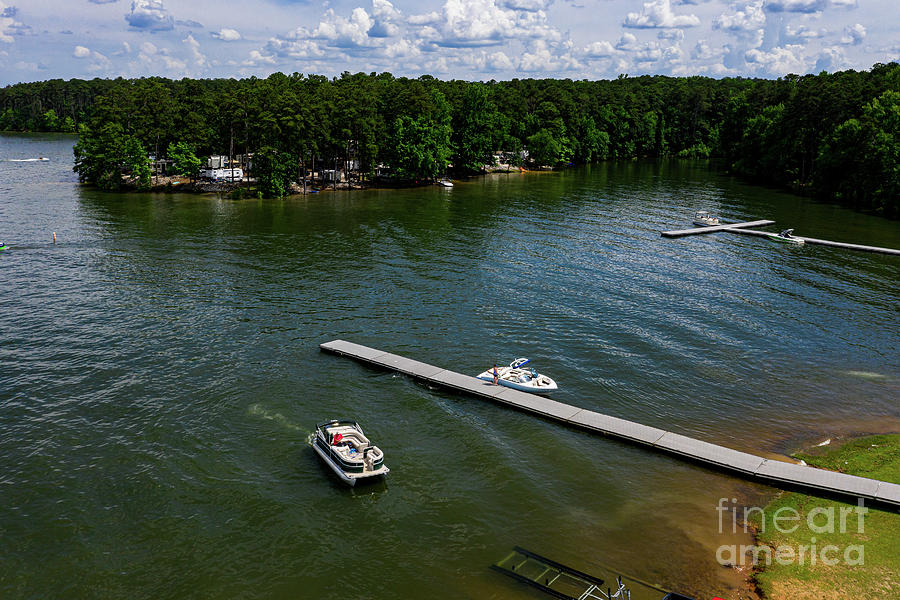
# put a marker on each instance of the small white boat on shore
(704, 219)
(516, 376)
(346, 449)
(786, 237)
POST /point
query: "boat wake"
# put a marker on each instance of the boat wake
(870, 375)
(257, 410)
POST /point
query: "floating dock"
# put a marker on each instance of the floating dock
(774, 472)
(809, 240)
(743, 229)
(712, 228)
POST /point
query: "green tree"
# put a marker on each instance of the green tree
(473, 130)
(136, 162)
(422, 145)
(274, 170)
(50, 121)
(590, 143)
(859, 162)
(544, 148)
(103, 154)
(186, 161)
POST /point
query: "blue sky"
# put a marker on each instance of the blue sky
(464, 39)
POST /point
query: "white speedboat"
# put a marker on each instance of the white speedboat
(516, 376)
(786, 237)
(704, 219)
(346, 449)
(445, 183)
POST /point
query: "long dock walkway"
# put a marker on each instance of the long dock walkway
(743, 228)
(711, 228)
(809, 240)
(740, 463)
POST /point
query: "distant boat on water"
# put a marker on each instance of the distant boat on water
(39, 159)
(704, 219)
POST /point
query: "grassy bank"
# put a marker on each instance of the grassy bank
(824, 549)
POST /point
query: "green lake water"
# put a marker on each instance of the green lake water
(160, 376)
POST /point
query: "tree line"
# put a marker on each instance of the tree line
(836, 136)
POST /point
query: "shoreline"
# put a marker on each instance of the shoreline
(812, 547)
(182, 184)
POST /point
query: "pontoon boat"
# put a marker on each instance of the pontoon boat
(347, 450)
(704, 219)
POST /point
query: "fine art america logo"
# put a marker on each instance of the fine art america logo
(787, 520)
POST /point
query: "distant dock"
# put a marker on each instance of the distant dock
(774, 472)
(712, 228)
(809, 240)
(742, 228)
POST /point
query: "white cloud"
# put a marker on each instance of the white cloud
(98, 62)
(702, 51)
(338, 31)
(801, 6)
(472, 23)
(778, 61)
(830, 59)
(498, 61)
(464, 38)
(226, 35)
(402, 49)
(297, 49)
(257, 58)
(8, 23)
(150, 15)
(197, 57)
(854, 35)
(675, 35)
(807, 6)
(542, 60)
(601, 49)
(385, 18)
(628, 43)
(431, 18)
(531, 5)
(658, 14)
(153, 58)
(742, 19)
(802, 33)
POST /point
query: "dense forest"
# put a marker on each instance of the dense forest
(836, 136)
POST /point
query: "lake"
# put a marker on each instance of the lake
(160, 376)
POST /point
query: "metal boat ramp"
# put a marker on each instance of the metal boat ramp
(566, 583)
